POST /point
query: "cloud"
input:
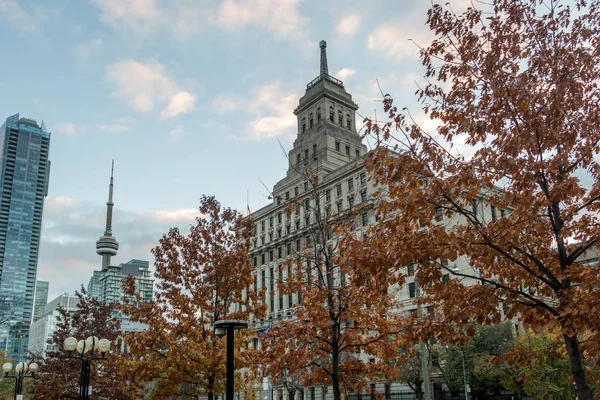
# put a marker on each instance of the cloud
(70, 128)
(345, 73)
(113, 128)
(392, 40)
(138, 16)
(226, 103)
(176, 133)
(85, 50)
(72, 226)
(142, 84)
(185, 18)
(281, 17)
(16, 16)
(179, 103)
(348, 25)
(273, 107)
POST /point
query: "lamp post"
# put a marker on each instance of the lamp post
(82, 348)
(462, 355)
(19, 374)
(228, 327)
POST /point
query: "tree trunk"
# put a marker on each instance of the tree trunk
(211, 385)
(419, 390)
(577, 369)
(335, 377)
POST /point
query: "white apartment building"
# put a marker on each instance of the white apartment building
(44, 327)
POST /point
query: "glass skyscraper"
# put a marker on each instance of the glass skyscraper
(24, 174)
(41, 298)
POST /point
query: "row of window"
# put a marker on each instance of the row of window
(340, 119)
(338, 188)
(364, 220)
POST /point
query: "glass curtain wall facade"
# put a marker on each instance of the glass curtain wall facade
(24, 174)
(41, 298)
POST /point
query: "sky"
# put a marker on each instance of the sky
(189, 97)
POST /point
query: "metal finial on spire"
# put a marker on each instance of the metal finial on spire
(324, 69)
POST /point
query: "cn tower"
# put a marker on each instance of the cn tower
(107, 245)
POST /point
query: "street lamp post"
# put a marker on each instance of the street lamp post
(81, 348)
(462, 354)
(19, 374)
(228, 327)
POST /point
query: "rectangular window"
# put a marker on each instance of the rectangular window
(328, 195)
(298, 245)
(297, 225)
(278, 200)
(271, 279)
(255, 261)
(271, 255)
(410, 270)
(305, 154)
(502, 213)
(365, 219)
(412, 290)
(339, 206)
(363, 178)
(287, 195)
(280, 252)
(314, 151)
(255, 284)
(350, 201)
(445, 278)
(350, 184)
(337, 146)
(263, 279)
(439, 213)
(298, 158)
(288, 248)
(262, 258)
(288, 229)
(357, 153)
(262, 225)
(363, 196)
(338, 189)
(306, 206)
(348, 150)
(306, 186)
(270, 222)
(279, 218)
(255, 229)
(296, 191)
(474, 206)
(493, 212)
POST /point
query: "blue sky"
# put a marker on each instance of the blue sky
(189, 98)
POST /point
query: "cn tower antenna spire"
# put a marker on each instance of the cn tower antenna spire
(324, 69)
(107, 245)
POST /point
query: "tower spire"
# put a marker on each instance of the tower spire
(107, 245)
(109, 203)
(324, 69)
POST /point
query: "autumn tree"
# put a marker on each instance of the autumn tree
(516, 85)
(343, 317)
(202, 277)
(58, 377)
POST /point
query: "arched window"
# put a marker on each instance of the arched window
(348, 125)
(318, 115)
(340, 118)
(303, 124)
(310, 121)
(331, 114)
